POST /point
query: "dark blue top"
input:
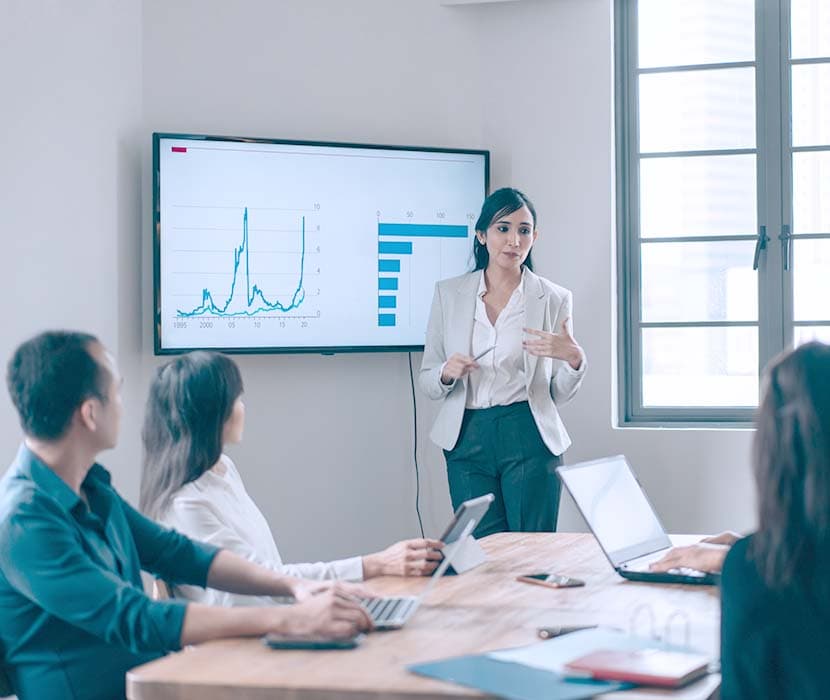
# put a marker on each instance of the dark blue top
(775, 643)
(73, 612)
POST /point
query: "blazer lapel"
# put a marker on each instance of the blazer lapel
(535, 303)
(463, 316)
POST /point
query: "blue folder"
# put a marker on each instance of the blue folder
(511, 680)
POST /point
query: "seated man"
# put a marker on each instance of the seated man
(73, 613)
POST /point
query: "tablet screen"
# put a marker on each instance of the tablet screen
(474, 509)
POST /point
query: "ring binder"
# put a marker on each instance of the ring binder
(667, 636)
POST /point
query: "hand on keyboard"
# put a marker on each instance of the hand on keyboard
(329, 614)
(699, 557)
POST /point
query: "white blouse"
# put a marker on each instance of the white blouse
(500, 381)
(216, 508)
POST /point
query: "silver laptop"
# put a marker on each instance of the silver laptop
(390, 613)
(616, 509)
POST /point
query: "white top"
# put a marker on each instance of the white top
(501, 380)
(216, 508)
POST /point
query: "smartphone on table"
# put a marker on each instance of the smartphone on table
(551, 580)
(278, 641)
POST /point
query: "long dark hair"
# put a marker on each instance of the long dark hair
(191, 399)
(791, 456)
(501, 203)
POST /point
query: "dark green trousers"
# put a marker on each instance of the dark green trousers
(500, 451)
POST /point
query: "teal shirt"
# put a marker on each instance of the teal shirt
(73, 613)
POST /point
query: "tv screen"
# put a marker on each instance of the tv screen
(263, 245)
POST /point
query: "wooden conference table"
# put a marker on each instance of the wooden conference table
(481, 610)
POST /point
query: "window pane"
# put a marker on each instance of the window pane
(698, 196)
(810, 28)
(700, 367)
(811, 192)
(804, 334)
(699, 282)
(697, 110)
(679, 32)
(811, 105)
(811, 280)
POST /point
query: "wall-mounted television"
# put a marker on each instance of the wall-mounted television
(267, 245)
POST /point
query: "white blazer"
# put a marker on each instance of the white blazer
(450, 329)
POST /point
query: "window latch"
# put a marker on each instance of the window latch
(786, 244)
(760, 244)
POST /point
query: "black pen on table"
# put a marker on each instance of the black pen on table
(551, 632)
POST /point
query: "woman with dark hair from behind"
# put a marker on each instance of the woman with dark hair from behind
(194, 409)
(191, 399)
(776, 582)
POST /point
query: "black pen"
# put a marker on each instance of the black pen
(551, 632)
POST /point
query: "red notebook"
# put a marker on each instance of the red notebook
(667, 669)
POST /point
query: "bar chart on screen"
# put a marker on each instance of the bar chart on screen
(397, 244)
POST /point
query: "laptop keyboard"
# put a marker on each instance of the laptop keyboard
(386, 609)
(677, 571)
(642, 565)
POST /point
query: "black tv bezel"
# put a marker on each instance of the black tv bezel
(272, 350)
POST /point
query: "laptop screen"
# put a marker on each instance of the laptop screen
(615, 508)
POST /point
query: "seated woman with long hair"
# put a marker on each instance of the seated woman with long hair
(189, 484)
(776, 582)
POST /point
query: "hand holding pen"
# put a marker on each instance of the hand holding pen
(460, 365)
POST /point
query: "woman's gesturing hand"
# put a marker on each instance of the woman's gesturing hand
(559, 346)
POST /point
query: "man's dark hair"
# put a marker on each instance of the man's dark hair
(49, 376)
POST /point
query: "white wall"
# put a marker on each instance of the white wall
(70, 170)
(328, 447)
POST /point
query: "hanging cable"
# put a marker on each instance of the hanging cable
(415, 447)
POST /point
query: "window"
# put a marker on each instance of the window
(723, 184)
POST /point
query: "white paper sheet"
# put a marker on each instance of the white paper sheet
(553, 654)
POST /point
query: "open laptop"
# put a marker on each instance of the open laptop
(389, 613)
(616, 509)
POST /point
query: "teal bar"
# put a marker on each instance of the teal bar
(387, 284)
(422, 230)
(389, 265)
(386, 319)
(387, 302)
(395, 247)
